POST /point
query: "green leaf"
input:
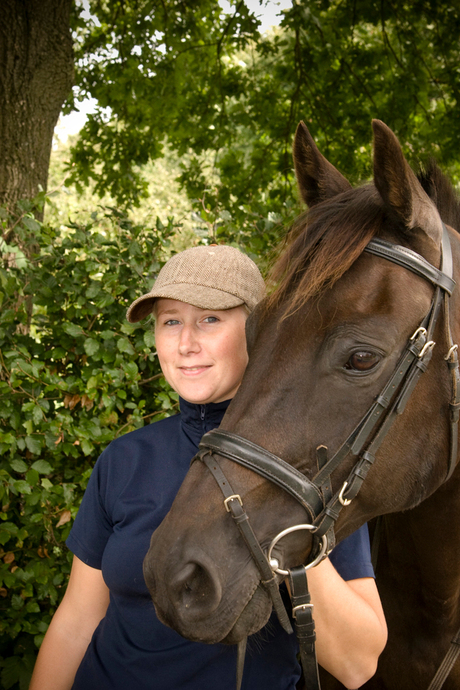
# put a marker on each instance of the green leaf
(33, 444)
(105, 301)
(72, 329)
(17, 602)
(9, 527)
(29, 426)
(31, 224)
(32, 477)
(125, 346)
(87, 447)
(42, 467)
(149, 338)
(93, 382)
(37, 414)
(22, 486)
(91, 346)
(131, 369)
(8, 439)
(11, 671)
(32, 607)
(19, 465)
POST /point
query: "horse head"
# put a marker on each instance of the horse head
(322, 348)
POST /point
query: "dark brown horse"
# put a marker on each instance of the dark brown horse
(322, 347)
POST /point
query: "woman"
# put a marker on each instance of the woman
(105, 634)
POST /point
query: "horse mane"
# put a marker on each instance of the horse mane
(323, 243)
(326, 240)
(441, 192)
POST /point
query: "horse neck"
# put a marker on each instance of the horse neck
(420, 546)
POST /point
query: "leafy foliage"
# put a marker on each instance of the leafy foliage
(65, 202)
(154, 68)
(73, 375)
(231, 98)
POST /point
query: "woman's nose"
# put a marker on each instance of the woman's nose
(188, 342)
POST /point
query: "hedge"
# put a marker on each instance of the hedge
(74, 374)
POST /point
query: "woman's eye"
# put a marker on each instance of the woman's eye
(211, 319)
(171, 322)
(362, 361)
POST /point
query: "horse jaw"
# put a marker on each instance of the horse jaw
(200, 573)
(203, 598)
(252, 618)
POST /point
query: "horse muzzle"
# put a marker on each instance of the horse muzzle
(187, 586)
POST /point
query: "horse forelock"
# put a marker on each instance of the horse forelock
(322, 245)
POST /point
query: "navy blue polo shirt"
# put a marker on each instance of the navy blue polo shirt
(131, 489)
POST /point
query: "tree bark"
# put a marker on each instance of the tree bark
(36, 75)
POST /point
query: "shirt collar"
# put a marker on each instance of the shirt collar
(202, 418)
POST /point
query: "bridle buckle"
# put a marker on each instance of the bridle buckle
(342, 500)
(233, 497)
(301, 607)
(426, 348)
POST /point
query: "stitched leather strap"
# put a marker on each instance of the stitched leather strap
(355, 442)
(447, 664)
(266, 464)
(403, 256)
(234, 505)
(454, 405)
(302, 612)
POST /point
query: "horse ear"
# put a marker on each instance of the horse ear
(399, 187)
(317, 179)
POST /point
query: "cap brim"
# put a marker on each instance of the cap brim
(197, 295)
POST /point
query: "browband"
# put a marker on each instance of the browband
(403, 256)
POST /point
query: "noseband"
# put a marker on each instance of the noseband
(323, 508)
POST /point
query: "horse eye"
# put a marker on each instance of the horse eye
(362, 361)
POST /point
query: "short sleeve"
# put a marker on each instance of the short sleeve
(92, 527)
(352, 556)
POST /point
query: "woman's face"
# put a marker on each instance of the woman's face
(202, 352)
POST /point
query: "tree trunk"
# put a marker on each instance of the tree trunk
(36, 75)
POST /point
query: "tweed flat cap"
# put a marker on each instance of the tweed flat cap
(208, 277)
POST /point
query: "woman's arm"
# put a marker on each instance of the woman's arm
(83, 606)
(350, 625)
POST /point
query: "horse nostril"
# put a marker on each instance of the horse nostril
(197, 589)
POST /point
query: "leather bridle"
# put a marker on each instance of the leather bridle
(322, 507)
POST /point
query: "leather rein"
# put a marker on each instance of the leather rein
(322, 506)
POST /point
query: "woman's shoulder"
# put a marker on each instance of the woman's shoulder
(147, 433)
(141, 443)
